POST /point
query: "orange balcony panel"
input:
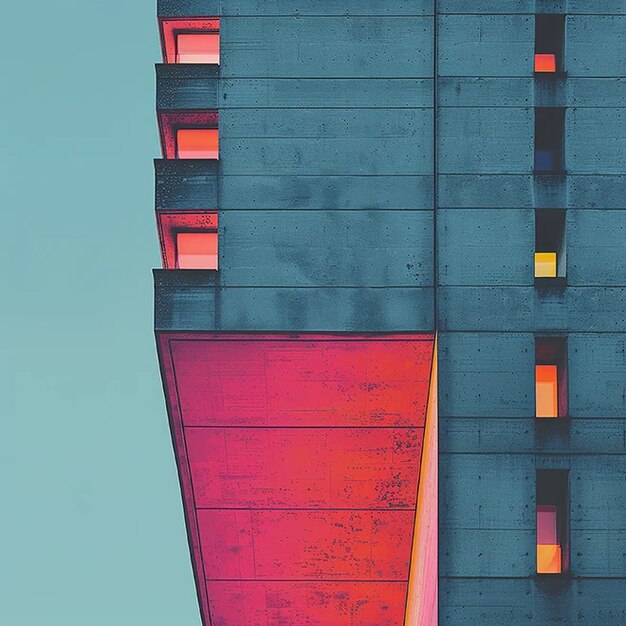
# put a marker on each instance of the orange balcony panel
(545, 63)
(197, 143)
(549, 559)
(546, 391)
(196, 251)
(198, 48)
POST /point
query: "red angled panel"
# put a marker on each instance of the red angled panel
(310, 545)
(311, 603)
(299, 458)
(310, 468)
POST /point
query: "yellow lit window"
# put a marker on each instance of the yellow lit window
(545, 264)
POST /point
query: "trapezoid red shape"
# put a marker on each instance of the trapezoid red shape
(299, 460)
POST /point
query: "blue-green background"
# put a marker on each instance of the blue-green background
(91, 522)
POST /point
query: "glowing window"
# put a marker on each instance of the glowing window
(198, 48)
(549, 42)
(552, 522)
(550, 249)
(549, 558)
(550, 377)
(197, 143)
(545, 63)
(545, 264)
(196, 251)
(546, 391)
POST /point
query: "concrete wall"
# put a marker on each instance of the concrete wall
(324, 185)
(325, 190)
(489, 312)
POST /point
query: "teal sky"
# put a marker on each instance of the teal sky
(92, 532)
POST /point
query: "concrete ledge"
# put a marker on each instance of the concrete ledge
(192, 300)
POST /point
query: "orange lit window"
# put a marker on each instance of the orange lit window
(546, 391)
(545, 63)
(545, 264)
(198, 48)
(196, 251)
(197, 143)
(549, 557)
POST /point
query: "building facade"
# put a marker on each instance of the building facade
(391, 315)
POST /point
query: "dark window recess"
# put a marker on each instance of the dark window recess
(550, 249)
(552, 522)
(549, 43)
(549, 139)
(551, 377)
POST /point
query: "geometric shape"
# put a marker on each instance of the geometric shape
(546, 391)
(173, 28)
(549, 560)
(345, 468)
(310, 382)
(247, 603)
(422, 597)
(545, 63)
(197, 143)
(196, 251)
(545, 264)
(198, 48)
(546, 160)
(547, 524)
(170, 223)
(299, 460)
(170, 122)
(274, 544)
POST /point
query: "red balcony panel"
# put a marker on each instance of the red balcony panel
(310, 383)
(300, 545)
(310, 467)
(310, 603)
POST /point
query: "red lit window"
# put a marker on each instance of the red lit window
(196, 251)
(197, 143)
(550, 377)
(172, 223)
(190, 40)
(552, 522)
(198, 48)
(545, 63)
